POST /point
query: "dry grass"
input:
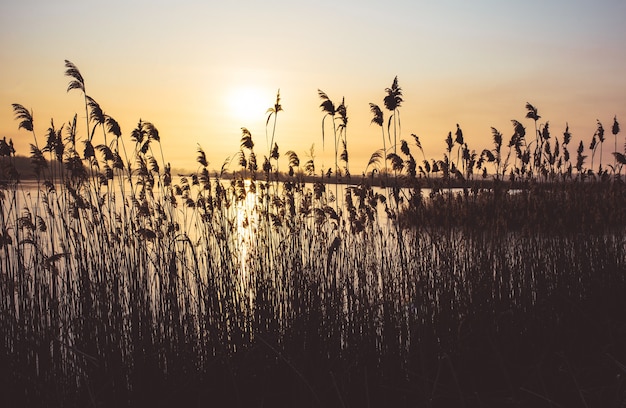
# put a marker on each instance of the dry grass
(123, 287)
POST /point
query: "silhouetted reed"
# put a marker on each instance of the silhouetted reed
(466, 280)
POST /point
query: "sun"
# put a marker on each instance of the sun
(248, 104)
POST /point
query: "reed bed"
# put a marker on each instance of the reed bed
(122, 286)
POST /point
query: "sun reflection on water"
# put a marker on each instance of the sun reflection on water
(246, 220)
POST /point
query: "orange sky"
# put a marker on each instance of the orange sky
(183, 65)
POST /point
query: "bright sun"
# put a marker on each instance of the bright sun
(248, 105)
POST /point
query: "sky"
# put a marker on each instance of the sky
(202, 70)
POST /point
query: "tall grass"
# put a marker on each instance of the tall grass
(121, 286)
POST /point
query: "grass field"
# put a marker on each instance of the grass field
(125, 285)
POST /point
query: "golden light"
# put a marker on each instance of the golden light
(248, 104)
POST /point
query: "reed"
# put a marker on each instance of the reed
(122, 285)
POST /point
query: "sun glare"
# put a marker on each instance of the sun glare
(248, 104)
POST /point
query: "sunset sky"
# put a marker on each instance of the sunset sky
(201, 70)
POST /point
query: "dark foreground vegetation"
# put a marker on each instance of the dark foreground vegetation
(480, 279)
